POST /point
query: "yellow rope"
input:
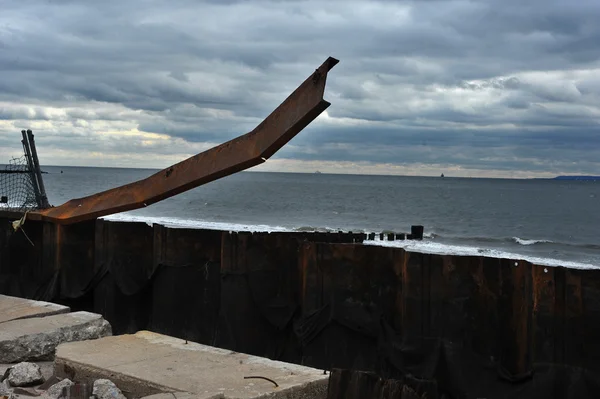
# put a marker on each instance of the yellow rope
(18, 224)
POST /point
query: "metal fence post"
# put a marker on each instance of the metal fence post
(32, 174)
(43, 199)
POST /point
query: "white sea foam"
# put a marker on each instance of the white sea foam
(410, 245)
(193, 224)
(223, 226)
(524, 241)
(446, 249)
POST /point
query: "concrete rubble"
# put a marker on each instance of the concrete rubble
(55, 391)
(46, 368)
(30, 331)
(102, 389)
(106, 389)
(37, 338)
(144, 364)
(5, 389)
(25, 374)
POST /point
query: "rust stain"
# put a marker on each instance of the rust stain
(542, 285)
(448, 266)
(58, 247)
(481, 282)
(535, 286)
(520, 319)
(405, 288)
(398, 255)
(307, 252)
(251, 149)
(574, 298)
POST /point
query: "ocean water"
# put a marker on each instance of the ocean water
(546, 221)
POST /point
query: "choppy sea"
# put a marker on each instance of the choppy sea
(548, 222)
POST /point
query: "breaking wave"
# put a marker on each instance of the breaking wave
(524, 241)
(194, 224)
(447, 249)
(468, 246)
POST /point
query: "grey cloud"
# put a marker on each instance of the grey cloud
(180, 76)
(21, 112)
(208, 71)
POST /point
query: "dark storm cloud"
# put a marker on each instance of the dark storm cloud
(492, 84)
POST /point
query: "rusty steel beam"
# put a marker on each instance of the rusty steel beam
(243, 152)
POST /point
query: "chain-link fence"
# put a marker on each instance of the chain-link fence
(21, 185)
(16, 187)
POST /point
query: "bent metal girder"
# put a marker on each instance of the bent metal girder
(243, 152)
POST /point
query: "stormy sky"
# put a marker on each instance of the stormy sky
(469, 88)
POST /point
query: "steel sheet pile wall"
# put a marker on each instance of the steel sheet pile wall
(463, 326)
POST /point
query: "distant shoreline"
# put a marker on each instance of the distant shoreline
(577, 178)
(318, 172)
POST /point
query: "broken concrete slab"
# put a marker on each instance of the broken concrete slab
(37, 338)
(13, 308)
(25, 374)
(147, 363)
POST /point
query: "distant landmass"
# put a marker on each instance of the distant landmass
(577, 178)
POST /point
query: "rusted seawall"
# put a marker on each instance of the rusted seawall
(462, 326)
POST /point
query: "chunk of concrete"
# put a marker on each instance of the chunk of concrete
(147, 363)
(37, 338)
(55, 391)
(13, 308)
(46, 367)
(5, 389)
(106, 389)
(25, 374)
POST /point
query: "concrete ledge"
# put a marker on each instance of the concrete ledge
(147, 363)
(13, 308)
(37, 338)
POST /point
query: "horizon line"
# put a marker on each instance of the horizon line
(316, 172)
